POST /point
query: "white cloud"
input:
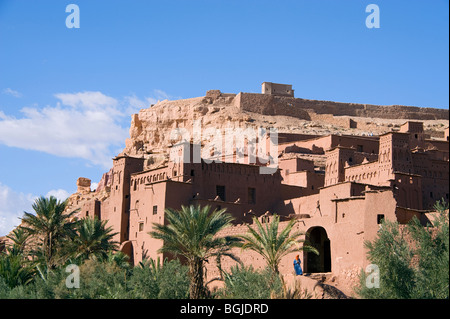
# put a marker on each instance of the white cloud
(157, 95)
(87, 128)
(60, 194)
(94, 186)
(3, 116)
(161, 95)
(87, 99)
(135, 104)
(12, 206)
(88, 125)
(12, 92)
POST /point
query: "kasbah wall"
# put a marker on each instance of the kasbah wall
(338, 197)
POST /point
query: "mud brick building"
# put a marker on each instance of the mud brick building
(339, 197)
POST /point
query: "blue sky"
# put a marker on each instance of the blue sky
(66, 95)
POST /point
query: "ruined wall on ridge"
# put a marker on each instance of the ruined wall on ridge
(281, 105)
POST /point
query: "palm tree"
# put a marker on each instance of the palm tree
(273, 245)
(50, 227)
(19, 238)
(192, 233)
(15, 268)
(92, 239)
(14, 271)
(116, 258)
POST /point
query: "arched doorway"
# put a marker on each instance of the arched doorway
(127, 248)
(318, 238)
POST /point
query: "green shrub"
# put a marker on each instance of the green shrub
(143, 283)
(152, 280)
(173, 281)
(418, 270)
(247, 283)
(4, 289)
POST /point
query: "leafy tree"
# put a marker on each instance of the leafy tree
(432, 251)
(51, 227)
(392, 255)
(413, 261)
(192, 233)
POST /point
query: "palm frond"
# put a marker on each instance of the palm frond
(271, 243)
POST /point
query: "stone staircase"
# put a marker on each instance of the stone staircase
(321, 286)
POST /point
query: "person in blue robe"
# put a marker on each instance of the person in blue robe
(297, 267)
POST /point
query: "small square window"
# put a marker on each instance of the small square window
(141, 227)
(380, 218)
(155, 210)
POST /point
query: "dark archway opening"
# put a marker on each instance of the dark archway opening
(318, 238)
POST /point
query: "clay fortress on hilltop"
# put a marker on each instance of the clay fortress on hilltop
(342, 169)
